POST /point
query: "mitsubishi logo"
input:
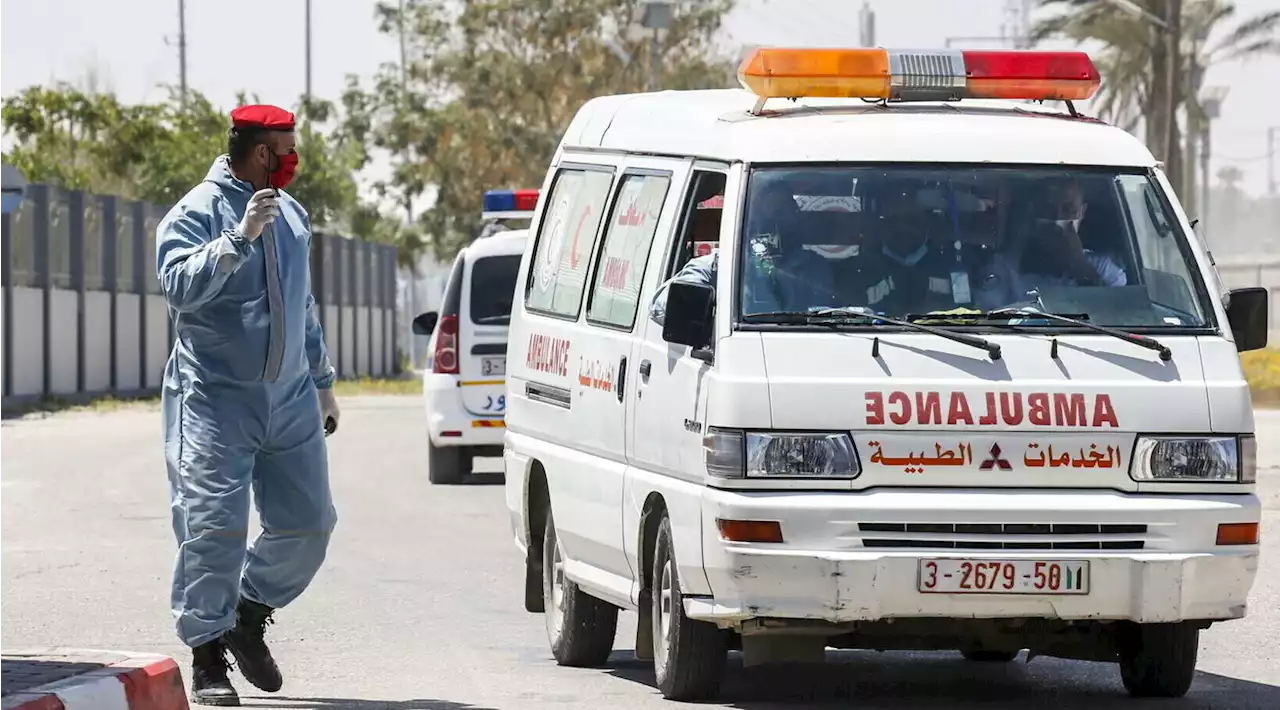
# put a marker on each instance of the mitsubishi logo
(995, 461)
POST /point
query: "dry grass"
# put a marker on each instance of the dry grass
(1262, 369)
(378, 386)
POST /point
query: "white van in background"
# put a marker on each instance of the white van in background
(464, 383)
(956, 378)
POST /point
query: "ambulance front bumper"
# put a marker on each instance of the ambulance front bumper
(858, 557)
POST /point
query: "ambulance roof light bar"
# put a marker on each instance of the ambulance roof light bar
(918, 75)
(509, 204)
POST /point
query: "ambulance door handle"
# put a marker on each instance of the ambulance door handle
(645, 368)
(622, 376)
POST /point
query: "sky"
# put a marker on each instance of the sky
(130, 47)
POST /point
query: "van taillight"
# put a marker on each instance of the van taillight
(446, 355)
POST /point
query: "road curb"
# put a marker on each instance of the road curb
(129, 681)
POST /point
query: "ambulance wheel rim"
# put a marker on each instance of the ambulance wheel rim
(665, 599)
(557, 591)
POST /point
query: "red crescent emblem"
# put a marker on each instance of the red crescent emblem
(573, 249)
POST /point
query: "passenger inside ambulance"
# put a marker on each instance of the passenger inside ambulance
(1065, 248)
(924, 241)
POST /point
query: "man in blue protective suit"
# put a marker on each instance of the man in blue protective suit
(246, 398)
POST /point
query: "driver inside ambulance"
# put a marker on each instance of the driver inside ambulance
(779, 273)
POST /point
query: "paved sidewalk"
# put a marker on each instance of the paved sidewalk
(74, 679)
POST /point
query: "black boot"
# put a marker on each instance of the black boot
(250, 649)
(209, 682)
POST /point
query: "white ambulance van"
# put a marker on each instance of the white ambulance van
(464, 383)
(954, 377)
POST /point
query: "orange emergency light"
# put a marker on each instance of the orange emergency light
(898, 75)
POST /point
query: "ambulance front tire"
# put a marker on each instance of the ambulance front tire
(1159, 660)
(445, 464)
(688, 655)
(580, 627)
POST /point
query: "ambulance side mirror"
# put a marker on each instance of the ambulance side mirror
(690, 316)
(425, 323)
(1247, 313)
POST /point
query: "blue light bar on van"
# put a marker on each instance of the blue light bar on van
(509, 204)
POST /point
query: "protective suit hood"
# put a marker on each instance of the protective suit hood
(220, 175)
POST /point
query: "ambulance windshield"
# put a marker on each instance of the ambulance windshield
(906, 241)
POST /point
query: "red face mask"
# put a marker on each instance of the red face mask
(284, 172)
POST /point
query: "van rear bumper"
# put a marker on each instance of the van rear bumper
(448, 421)
(824, 571)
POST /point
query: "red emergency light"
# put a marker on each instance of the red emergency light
(509, 204)
(917, 75)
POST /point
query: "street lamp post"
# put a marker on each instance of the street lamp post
(867, 25)
(1271, 159)
(307, 22)
(182, 49)
(655, 16)
(1137, 10)
(1170, 27)
(1211, 103)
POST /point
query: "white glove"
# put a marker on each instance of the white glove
(328, 409)
(263, 207)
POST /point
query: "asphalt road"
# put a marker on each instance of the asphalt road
(419, 605)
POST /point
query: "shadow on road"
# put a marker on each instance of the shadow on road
(353, 704)
(896, 681)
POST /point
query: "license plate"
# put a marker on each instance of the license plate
(493, 366)
(952, 576)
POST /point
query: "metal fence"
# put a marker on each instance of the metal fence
(84, 314)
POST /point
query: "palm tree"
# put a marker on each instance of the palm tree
(1133, 59)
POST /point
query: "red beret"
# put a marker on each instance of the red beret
(262, 116)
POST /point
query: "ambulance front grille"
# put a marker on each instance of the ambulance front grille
(1004, 536)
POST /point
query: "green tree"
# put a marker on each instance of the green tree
(1134, 58)
(157, 152)
(487, 89)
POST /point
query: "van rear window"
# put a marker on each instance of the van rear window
(493, 285)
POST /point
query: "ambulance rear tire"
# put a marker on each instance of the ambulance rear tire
(688, 655)
(1159, 660)
(444, 464)
(580, 627)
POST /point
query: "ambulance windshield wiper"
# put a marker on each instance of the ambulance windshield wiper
(839, 316)
(1033, 314)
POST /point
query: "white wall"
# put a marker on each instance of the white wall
(377, 332)
(97, 341)
(158, 343)
(371, 356)
(418, 294)
(28, 341)
(362, 347)
(63, 306)
(127, 334)
(348, 354)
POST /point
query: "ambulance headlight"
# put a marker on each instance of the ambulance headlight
(732, 453)
(1205, 459)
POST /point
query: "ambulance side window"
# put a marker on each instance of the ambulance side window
(566, 239)
(628, 238)
(699, 232)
